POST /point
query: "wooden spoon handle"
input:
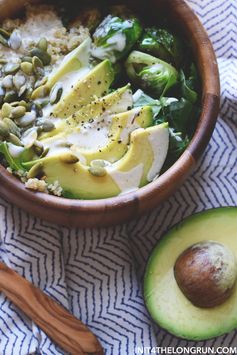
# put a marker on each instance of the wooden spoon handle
(61, 326)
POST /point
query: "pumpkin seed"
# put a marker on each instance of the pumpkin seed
(38, 148)
(5, 33)
(3, 41)
(15, 40)
(29, 137)
(42, 102)
(43, 44)
(97, 171)
(42, 55)
(69, 158)
(47, 126)
(19, 80)
(10, 96)
(45, 152)
(40, 82)
(6, 110)
(27, 93)
(35, 171)
(3, 61)
(4, 129)
(37, 64)
(27, 68)
(56, 93)
(2, 94)
(40, 92)
(11, 68)
(27, 59)
(19, 103)
(14, 140)
(18, 112)
(98, 163)
(12, 126)
(22, 90)
(7, 82)
(36, 107)
(27, 119)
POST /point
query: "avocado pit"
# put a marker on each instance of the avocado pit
(206, 273)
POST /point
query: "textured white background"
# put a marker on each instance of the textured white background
(98, 274)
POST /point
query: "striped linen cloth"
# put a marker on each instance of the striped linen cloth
(97, 273)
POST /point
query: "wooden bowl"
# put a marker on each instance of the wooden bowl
(111, 211)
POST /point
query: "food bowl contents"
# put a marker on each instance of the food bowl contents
(95, 109)
(192, 293)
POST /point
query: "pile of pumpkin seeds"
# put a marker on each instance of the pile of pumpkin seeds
(23, 94)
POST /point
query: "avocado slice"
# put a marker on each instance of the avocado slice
(118, 101)
(94, 84)
(166, 303)
(117, 135)
(70, 69)
(138, 166)
(72, 62)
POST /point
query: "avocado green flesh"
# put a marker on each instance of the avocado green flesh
(95, 84)
(118, 129)
(116, 102)
(77, 181)
(166, 303)
(74, 61)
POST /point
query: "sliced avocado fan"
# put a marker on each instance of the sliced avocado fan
(118, 134)
(118, 101)
(140, 165)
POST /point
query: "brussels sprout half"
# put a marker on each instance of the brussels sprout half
(151, 73)
(162, 44)
(115, 37)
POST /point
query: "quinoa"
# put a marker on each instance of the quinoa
(36, 185)
(42, 186)
(43, 21)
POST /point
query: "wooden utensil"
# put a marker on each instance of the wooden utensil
(61, 326)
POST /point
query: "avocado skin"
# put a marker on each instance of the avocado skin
(221, 319)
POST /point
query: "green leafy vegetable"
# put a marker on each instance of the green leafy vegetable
(151, 73)
(162, 44)
(115, 37)
(186, 88)
(14, 163)
(178, 114)
(177, 145)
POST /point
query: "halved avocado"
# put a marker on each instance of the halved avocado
(167, 304)
(118, 101)
(94, 84)
(138, 166)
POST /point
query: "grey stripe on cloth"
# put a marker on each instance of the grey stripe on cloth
(98, 273)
